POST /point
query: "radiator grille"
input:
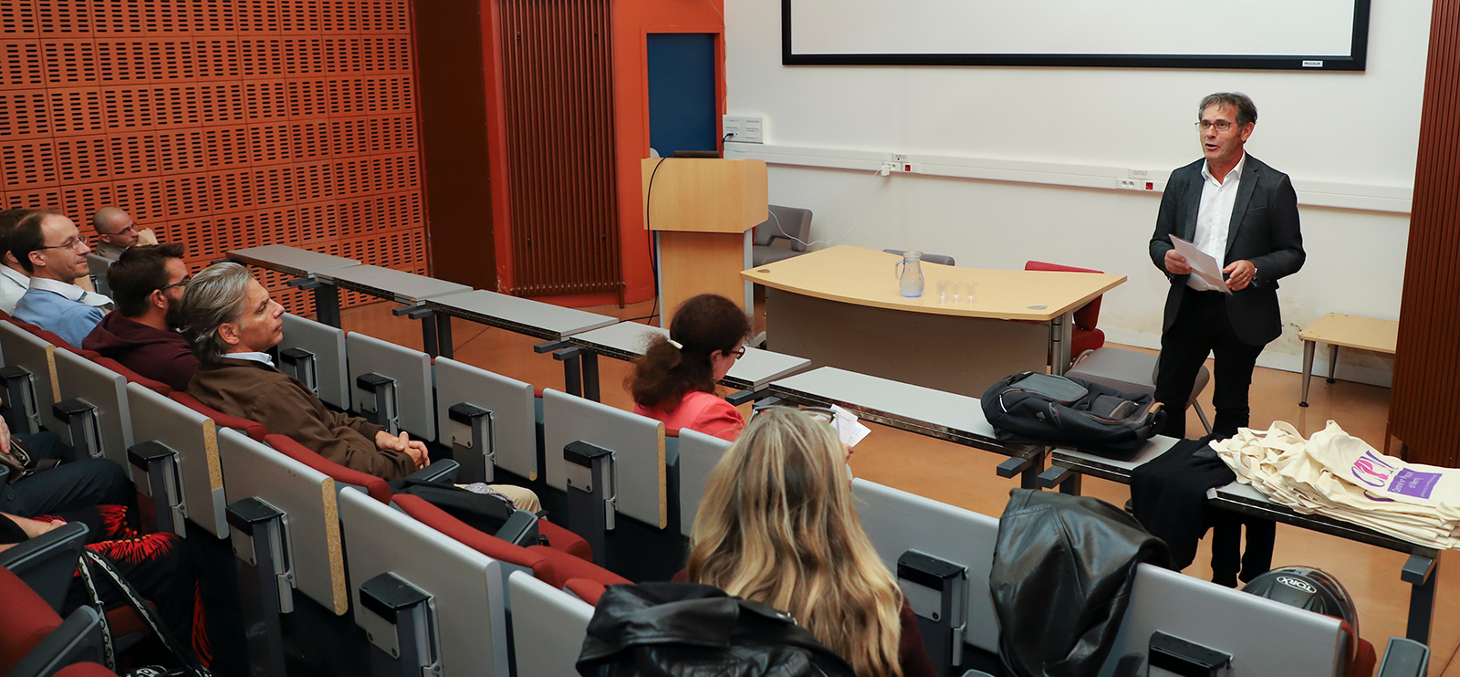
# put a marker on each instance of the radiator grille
(558, 81)
(220, 123)
(1426, 381)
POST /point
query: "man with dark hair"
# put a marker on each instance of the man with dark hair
(1244, 214)
(147, 283)
(116, 232)
(13, 280)
(50, 247)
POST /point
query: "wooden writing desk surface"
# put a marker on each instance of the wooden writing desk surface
(1354, 331)
(866, 277)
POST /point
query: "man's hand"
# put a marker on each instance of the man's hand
(33, 528)
(1176, 263)
(146, 237)
(416, 449)
(1240, 274)
(4, 436)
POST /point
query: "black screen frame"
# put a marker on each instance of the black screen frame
(1304, 62)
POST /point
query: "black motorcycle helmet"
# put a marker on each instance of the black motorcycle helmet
(1307, 588)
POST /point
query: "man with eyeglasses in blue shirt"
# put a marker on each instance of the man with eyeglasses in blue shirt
(52, 250)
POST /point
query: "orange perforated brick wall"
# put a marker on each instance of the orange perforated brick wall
(220, 123)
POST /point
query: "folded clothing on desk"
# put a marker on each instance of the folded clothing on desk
(1341, 476)
(1169, 496)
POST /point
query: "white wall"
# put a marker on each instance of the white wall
(1357, 132)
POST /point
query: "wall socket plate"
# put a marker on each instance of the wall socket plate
(752, 129)
(730, 127)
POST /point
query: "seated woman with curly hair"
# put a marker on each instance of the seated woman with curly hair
(674, 381)
(778, 524)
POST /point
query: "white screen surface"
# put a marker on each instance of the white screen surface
(1232, 29)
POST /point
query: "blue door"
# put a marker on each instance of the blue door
(682, 112)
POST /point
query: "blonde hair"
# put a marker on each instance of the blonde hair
(777, 524)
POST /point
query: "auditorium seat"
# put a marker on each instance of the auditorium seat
(553, 565)
(132, 376)
(254, 430)
(586, 589)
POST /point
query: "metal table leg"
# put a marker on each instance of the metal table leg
(1061, 334)
(1308, 347)
(1332, 361)
(1421, 572)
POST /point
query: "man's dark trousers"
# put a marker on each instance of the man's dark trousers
(1202, 326)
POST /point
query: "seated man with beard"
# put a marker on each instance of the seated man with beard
(147, 285)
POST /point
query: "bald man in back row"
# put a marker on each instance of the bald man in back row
(116, 232)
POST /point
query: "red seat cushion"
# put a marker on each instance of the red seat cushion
(254, 430)
(25, 620)
(565, 541)
(132, 377)
(85, 670)
(586, 590)
(376, 487)
(570, 567)
(488, 545)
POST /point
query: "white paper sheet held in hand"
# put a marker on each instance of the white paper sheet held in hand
(1202, 264)
(848, 427)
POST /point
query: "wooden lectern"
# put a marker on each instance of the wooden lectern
(701, 211)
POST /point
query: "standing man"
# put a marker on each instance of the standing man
(116, 232)
(1245, 215)
(50, 247)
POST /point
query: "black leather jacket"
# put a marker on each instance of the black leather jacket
(662, 629)
(1061, 581)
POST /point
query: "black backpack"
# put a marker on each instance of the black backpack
(1042, 409)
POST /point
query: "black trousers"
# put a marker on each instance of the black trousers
(1201, 327)
(69, 486)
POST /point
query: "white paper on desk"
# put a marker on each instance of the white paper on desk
(1202, 264)
(848, 427)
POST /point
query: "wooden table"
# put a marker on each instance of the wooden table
(841, 307)
(1349, 331)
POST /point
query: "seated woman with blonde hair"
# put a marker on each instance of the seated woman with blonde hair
(777, 524)
(674, 381)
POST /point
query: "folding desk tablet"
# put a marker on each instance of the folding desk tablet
(698, 454)
(29, 380)
(946, 416)
(285, 529)
(942, 556)
(314, 353)
(408, 288)
(612, 462)
(1421, 570)
(94, 404)
(1262, 636)
(840, 307)
(548, 627)
(489, 420)
(525, 316)
(446, 600)
(627, 340)
(303, 264)
(391, 386)
(307, 500)
(175, 461)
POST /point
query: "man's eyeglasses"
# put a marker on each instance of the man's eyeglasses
(180, 283)
(72, 243)
(1221, 125)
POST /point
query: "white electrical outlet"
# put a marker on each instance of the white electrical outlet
(1130, 184)
(899, 158)
(751, 129)
(731, 127)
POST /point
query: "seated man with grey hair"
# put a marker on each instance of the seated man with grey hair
(229, 320)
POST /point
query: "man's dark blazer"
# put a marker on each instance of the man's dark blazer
(1263, 230)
